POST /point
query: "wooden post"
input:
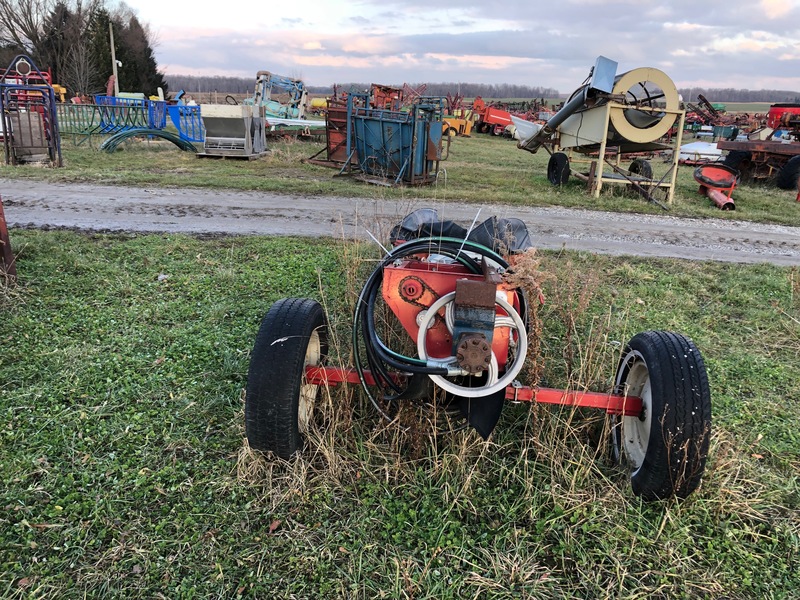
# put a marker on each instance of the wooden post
(113, 59)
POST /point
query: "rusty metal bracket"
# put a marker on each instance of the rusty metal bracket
(637, 186)
(474, 317)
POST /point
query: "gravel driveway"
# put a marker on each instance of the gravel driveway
(89, 207)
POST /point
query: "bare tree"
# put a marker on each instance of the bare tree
(21, 24)
(52, 33)
(77, 76)
(63, 35)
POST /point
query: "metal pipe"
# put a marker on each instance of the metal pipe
(572, 106)
(722, 201)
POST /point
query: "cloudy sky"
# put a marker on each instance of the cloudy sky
(709, 43)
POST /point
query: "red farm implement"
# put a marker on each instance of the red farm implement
(717, 183)
(438, 324)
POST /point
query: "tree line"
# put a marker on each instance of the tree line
(245, 85)
(734, 95)
(71, 39)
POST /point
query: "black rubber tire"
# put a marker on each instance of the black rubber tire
(667, 446)
(558, 168)
(642, 168)
(742, 161)
(291, 328)
(789, 174)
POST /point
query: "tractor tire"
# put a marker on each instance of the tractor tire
(789, 174)
(742, 161)
(642, 168)
(278, 403)
(667, 445)
(452, 131)
(558, 168)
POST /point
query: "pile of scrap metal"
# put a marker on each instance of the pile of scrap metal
(711, 122)
(704, 112)
(383, 137)
(609, 117)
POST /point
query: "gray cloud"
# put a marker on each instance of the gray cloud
(717, 44)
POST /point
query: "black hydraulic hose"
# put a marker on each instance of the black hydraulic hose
(379, 357)
(366, 301)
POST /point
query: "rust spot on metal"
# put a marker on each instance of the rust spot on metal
(479, 294)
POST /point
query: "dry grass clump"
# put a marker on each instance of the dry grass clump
(10, 290)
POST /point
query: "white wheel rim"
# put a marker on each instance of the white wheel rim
(493, 384)
(308, 391)
(635, 432)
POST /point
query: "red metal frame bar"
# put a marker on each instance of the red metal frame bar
(615, 404)
(336, 375)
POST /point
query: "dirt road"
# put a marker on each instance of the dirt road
(32, 204)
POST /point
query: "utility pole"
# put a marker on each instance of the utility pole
(113, 59)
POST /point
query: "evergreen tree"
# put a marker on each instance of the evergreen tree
(139, 71)
(99, 51)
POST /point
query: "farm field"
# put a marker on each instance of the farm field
(123, 365)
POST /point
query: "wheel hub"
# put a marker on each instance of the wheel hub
(474, 354)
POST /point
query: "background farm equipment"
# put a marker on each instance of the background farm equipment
(28, 112)
(280, 96)
(385, 145)
(398, 146)
(493, 120)
(457, 124)
(283, 102)
(499, 118)
(233, 131)
(609, 117)
(766, 157)
(458, 119)
(441, 328)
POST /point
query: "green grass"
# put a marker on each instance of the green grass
(126, 474)
(479, 170)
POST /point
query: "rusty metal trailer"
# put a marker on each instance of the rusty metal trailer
(764, 160)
